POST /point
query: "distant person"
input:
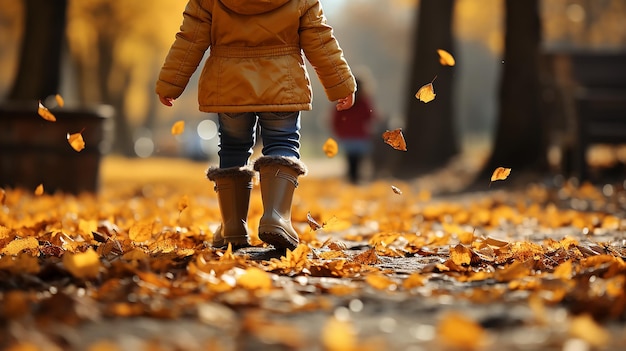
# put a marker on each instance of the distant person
(353, 129)
(255, 78)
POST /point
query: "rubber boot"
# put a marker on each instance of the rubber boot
(278, 178)
(233, 187)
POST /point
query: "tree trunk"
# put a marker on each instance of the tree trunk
(38, 74)
(429, 129)
(519, 142)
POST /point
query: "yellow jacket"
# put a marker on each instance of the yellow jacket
(255, 62)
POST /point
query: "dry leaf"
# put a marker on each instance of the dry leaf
(445, 58)
(20, 244)
(460, 332)
(39, 190)
(45, 113)
(76, 141)
(183, 203)
(586, 328)
(395, 139)
(379, 281)
(396, 190)
(313, 224)
(255, 279)
(330, 147)
(140, 232)
(178, 127)
(427, 92)
(82, 265)
(500, 173)
(59, 100)
(339, 335)
(460, 255)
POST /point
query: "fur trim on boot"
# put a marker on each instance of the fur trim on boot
(216, 172)
(291, 162)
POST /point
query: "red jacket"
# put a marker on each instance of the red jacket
(355, 122)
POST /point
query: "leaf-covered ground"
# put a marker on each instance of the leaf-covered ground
(382, 266)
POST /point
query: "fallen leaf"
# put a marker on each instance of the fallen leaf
(339, 335)
(395, 139)
(396, 190)
(500, 173)
(330, 147)
(140, 232)
(183, 203)
(82, 265)
(255, 279)
(20, 244)
(460, 255)
(445, 58)
(178, 127)
(379, 281)
(59, 100)
(76, 141)
(460, 332)
(586, 328)
(39, 190)
(427, 92)
(45, 113)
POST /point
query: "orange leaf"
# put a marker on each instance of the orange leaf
(76, 141)
(313, 224)
(82, 265)
(330, 147)
(395, 139)
(140, 232)
(427, 92)
(45, 113)
(445, 58)
(59, 100)
(460, 255)
(18, 245)
(500, 173)
(183, 203)
(379, 281)
(460, 332)
(255, 279)
(178, 128)
(39, 190)
(339, 335)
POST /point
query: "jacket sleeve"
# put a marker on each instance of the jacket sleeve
(185, 54)
(323, 52)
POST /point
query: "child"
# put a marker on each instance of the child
(255, 76)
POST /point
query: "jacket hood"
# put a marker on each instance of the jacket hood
(253, 7)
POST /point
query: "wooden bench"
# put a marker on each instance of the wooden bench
(585, 98)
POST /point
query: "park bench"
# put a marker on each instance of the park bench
(584, 98)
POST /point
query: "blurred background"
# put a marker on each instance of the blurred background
(110, 52)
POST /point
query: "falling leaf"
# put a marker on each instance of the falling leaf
(330, 147)
(178, 127)
(395, 139)
(39, 190)
(427, 92)
(59, 100)
(500, 173)
(313, 224)
(45, 113)
(396, 190)
(445, 58)
(76, 141)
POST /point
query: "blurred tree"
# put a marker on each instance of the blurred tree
(38, 73)
(429, 129)
(520, 133)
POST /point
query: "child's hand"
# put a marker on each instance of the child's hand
(167, 101)
(345, 103)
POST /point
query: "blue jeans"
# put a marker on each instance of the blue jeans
(279, 131)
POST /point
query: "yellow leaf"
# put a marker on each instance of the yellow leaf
(379, 281)
(500, 173)
(39, 190)
(183, 203)
(20, 244)
(427, 92)
(460, 332)
(330, 147)
(255, 279)
(445, 58)
(339, 335)
(82, 265)
(413, 281)
(564, 271)
(178, 128)
(140, 232)
(76, 141)
(59, 100)
(45, 113)
(395, 139)
(460, 255)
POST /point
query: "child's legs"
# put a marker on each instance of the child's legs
(280, 132)
(237, 137)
